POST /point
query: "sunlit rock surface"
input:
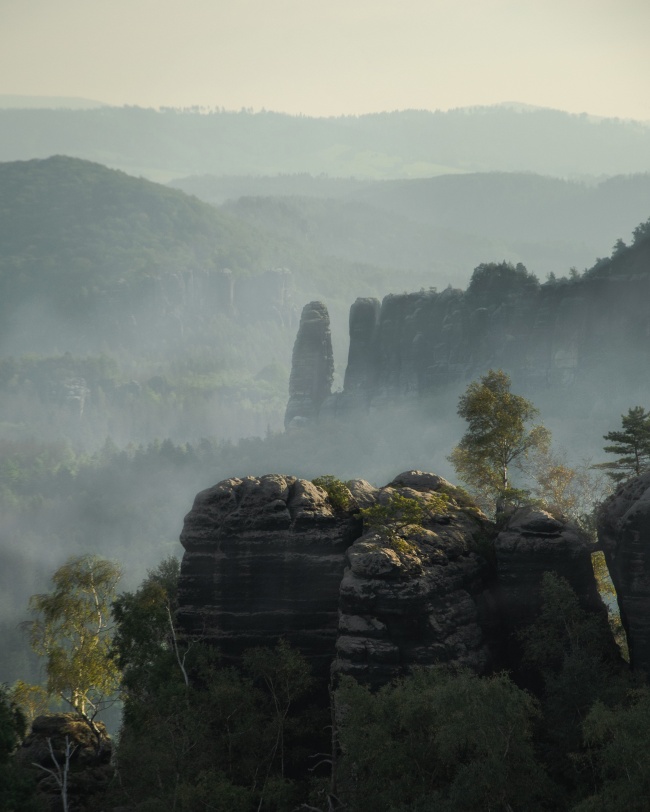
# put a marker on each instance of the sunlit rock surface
(624, 535)
(419, 598)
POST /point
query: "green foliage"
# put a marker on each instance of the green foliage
(144, 627)
(286, 677)
(642, 232)
(12, 724)
(499, 282)
(439, 741)
(573, 491)
(72, 630)
(391, 518)
(632, 443)
(337, 492)
(33, 700)
(573, 652)
(16, 787)
(619, 748)
(107, 234)
(231, 740)
(497, 435)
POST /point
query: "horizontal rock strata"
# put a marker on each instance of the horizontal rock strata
(374, 595)
(263, 559)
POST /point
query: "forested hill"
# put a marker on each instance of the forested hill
(192, 310)
(447, 224)
(78, 238)
(84, 246)
(413, 143)
(71, 211)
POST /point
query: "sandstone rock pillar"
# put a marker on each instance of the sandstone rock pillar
(312, 365)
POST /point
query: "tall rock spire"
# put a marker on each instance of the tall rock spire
(312, 365)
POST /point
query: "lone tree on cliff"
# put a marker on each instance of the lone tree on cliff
(498, 435)
(632, 443)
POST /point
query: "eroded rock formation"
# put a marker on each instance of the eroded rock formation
(273, 557)
(312, 365)
(624, 535)
(531, 543)
(554, 335)
(264, 558)
(417, 599)
(534, 542)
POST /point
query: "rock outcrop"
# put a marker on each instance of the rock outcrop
(264, 558)
(532, 543)
(418, 597)
(275, 556)
(88, 756)
(554, 335)
(312, 365)
(624, 535)
(541, 335)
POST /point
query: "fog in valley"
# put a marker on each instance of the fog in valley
(147, 336)
(168, 208)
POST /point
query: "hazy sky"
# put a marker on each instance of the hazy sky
(325, 57)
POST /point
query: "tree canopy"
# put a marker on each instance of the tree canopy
(498, 434)
(72, 629)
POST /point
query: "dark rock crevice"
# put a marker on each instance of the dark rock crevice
(624, 534)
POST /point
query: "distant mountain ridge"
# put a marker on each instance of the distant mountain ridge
(445, 225)
(162, 144)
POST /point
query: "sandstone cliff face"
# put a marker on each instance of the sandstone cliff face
(532, 543)
(419, 598)
(272, 557)
(312, 365)
(554, 335)
(624, 535)
(542, 336)
(264, 558)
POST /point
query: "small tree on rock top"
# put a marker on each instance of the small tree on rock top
(498, 435)
(631, 443)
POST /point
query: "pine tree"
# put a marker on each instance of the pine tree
(632, 444)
